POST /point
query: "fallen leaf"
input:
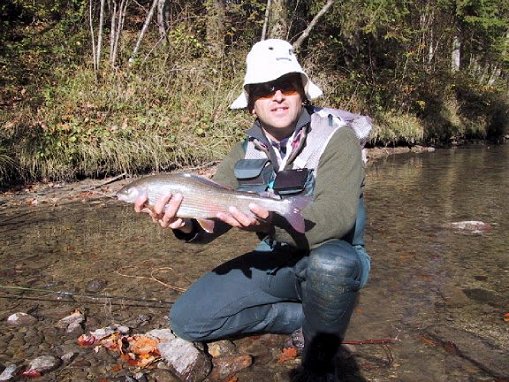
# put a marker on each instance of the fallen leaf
(143, 344)
(506, 317)
(116, 368)
(287, 354)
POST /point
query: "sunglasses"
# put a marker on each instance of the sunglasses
(288, 87)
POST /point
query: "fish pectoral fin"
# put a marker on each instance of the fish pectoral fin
(206, 224)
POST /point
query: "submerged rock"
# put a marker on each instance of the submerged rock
(40, 365)
(72, 322)
(95, 285)
(221, 348)
(10, 372)
(21, 319)
(185, 360)
(473, 227)
(227, 366)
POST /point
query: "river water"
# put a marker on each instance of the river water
(439, 291)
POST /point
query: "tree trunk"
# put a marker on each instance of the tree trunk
(278, 24)
(92, 36)
(215, 27)
(456, 54)
(117, 24)
(266, 20)
(100, 36)
(162, 19)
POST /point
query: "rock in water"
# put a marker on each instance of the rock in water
(40, 365)
(21, 319)
(72, 321)
(227, 366)
(185, 360)
(9, 373)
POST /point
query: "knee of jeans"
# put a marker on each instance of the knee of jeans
(335, 259)
(179, 320)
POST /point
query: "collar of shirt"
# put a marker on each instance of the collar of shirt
(278, 151)
(256, 130)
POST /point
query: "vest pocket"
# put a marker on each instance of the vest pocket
(253, 174)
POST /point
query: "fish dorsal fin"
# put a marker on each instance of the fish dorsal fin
(206, 181)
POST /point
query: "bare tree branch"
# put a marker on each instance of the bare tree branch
(113, 30)
(150, 15)
(92, 35)
(119, 16)
(311, 25)
(266, 21)
(100, 35)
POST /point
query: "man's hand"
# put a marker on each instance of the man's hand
(164, 211)
(261, 222)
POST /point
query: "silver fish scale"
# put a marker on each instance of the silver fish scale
(204, 198)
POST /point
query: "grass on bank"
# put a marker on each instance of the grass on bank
(174, 112)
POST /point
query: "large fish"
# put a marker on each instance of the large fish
(204, 198)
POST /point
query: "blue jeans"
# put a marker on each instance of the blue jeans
(274, 289)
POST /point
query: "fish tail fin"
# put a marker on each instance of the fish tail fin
(294, 212)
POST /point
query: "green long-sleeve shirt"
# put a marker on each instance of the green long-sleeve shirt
(332, 213)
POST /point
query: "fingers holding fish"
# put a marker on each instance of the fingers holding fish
(140, 204)
(165, 211)
(247, 222)
(263, 215)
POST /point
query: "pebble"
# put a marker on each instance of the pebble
(72, 322)
(227, 366)
(9, 373)
(186, 361)
(41, 365)
(160, 375)
(220, 348)
(95, 285)
(68, 357)
(21, 319)
(163, 335)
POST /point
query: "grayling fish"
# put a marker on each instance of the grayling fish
(204, 198)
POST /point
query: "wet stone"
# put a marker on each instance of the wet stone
(227, 366)
(21, 319)
(95, 285)
(163, 376)
(185, 360)
(221, 348)
(9, 373)
(478, 350)
(68, 357)
(41, 365)
(17, 343)
(140, 321)
(51, 335)
(33, 339)
(81, 361)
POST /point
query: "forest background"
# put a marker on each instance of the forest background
(91, 88)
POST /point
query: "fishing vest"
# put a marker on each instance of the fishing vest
(255, 172)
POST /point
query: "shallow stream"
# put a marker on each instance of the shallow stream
(441, 292)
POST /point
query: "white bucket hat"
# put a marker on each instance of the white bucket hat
(267, 61)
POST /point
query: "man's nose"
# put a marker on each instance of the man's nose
(278, 95)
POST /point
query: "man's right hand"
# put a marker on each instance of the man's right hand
(165, 211)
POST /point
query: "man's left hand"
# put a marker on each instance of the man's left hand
(260, 222)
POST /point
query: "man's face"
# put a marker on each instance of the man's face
(278, 104)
